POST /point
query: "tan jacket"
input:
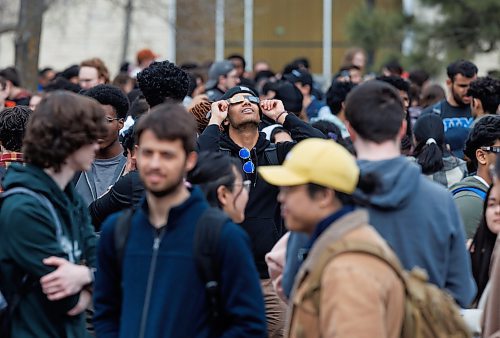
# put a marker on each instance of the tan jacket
(361, 296)
(491, 314)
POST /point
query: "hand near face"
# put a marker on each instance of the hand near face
(219, 112)
(272, 108)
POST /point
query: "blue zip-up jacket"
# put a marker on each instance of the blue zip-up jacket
(177, 303)
(419, 220)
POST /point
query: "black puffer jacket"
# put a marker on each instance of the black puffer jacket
(263, 221)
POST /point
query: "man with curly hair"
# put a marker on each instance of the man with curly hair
(109, 164)
(12, 127)
(481, 147)
(47, 244)
(163, 82)
(485, 93)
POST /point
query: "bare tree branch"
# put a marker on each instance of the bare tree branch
(7, 27)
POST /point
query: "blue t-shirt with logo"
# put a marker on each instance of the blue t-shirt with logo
(457, 122)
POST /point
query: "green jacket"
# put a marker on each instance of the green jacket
(469, 204)
(27, 236)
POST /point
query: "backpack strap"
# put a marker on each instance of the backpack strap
(121, 232)
(206, 242)
(342, 247)
(42, 200)
(476, 191)
(437, 108)
(225, 151)
(271, 154)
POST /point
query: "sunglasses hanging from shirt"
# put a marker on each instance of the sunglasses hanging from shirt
(248, 166)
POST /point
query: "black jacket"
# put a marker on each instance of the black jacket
(125, 193)
(263, 221)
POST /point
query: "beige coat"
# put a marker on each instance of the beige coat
(361, 296)
(491, 314)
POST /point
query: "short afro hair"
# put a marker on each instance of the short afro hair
(485, 133)
(13, 123)
(111, 95)
(486, 90)
(163, 82)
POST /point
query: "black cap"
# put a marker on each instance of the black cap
(237, 90)
(300, 75)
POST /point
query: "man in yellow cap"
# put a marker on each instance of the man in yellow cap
(349, 295)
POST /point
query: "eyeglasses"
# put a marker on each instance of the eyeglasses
(245, 184)
(240, 98)
(248, 166)
(111, 119)
(492, 149)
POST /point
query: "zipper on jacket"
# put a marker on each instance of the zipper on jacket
(149, 287)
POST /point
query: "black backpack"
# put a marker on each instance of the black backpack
(206, 241)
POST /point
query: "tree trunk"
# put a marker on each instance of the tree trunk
(370, 53)
(29, 31)
(126, 29)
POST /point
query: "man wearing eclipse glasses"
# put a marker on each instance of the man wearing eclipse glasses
(239, 112)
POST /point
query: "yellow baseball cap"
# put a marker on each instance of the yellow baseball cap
(318, 161)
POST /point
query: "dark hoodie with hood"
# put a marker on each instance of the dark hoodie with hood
(263, 221)
(419, 220)
(27, 236)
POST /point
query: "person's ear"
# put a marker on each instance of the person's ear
(222, 195)
(351, 131)
(325, 198)
(402, 130)
(191, 160)
(481, 156)
(449, 83)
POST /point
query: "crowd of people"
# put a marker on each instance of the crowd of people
(193, 201)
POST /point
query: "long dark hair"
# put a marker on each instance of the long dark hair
(481, 249)
(212, 171)
(429, 150)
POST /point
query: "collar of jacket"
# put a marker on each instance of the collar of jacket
(337, 230)
(260, 146)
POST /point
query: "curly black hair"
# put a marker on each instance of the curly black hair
(63, 123)
(485, 133)
(111, 95)
(486, 90)
(13, 123)
(162, 82)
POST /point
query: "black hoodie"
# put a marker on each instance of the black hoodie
(263, 221)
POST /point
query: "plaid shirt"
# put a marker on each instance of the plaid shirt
(6, 160)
